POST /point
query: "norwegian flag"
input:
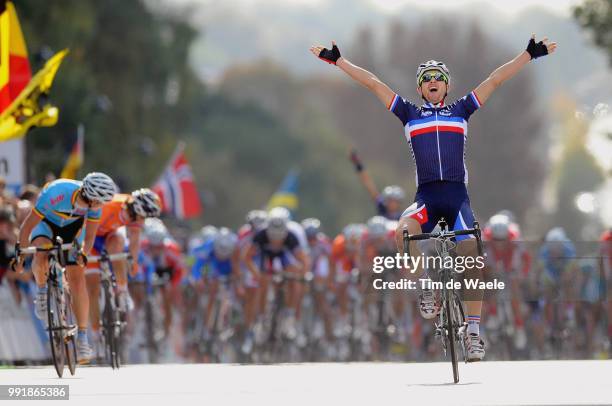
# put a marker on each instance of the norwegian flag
(177, 189)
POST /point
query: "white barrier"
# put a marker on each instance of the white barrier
(21, 337)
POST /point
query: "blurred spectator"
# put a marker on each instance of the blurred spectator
(50, 177)
(30, 193)
(8, 237)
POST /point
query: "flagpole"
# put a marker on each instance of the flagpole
(180, 147)
(81, 143)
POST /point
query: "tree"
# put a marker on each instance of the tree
(596, 17)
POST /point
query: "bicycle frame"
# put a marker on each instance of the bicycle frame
(61, 334)
(111, 319)
(451, 326)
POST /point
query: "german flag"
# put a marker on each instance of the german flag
(75, 159)
(14, 65)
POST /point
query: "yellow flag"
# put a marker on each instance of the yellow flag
(25, 112)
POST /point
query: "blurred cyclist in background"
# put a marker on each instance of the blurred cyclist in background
(223, 261)
(389, 203)
(255, 221)
(556, 272)
(344, 260)
(277, 248)
(320, 250)
(508, 261)
(606, 271)
(166, 258)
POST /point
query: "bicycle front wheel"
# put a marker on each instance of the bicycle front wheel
(109, 320)
(451, 332)
(55, 327)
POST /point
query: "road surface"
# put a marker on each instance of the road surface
(485, 383)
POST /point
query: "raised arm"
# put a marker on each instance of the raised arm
(358, 74)
(509, 69)
(364, 176)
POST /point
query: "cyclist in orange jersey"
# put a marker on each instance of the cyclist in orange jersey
(343, 259)
(123, 210)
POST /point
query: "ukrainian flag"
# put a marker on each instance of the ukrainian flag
(286, 195)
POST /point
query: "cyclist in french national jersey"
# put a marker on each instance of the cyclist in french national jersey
(436, 133)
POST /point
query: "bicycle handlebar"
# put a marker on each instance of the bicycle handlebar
(57, 246)
(447, 234)
(34, 250)
(279, 276)
(444, 234)
(111, 257)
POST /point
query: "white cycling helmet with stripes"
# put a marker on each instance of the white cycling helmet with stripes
(432, 65)
(98, 187)
(146, 203)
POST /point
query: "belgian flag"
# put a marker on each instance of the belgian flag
(21, 104)
(14, 65)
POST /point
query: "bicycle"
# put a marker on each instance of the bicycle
(280, 333)
(217, 343)
(451, 327)
(113, 320)
(359, 338)
(154, 330)
(61, 325)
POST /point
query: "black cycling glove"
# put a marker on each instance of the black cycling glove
(536, 49)
(330, 56)
(356, 160)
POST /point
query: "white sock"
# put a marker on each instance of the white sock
(473, 325)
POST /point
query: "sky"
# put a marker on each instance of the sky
(511, 7)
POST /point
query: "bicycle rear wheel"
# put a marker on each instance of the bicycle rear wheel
(151, 343)
(109, 325)
(54, 318)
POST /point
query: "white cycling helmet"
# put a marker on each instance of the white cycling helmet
(225, 243)
(209, 232)
(393, 192)
(500, 227)
(156, 235)
(432, 65)
(146, 203)
(155, 231)
(557, 234)
(312, 227)
(353, 231)
(278, 218)
(153, 222)
(377, 227)
(98, 187)
(256, 218)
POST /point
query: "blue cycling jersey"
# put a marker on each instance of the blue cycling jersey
(205, 255)
(56, 204)
(437, 137)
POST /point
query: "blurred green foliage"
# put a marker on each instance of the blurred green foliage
(596, 17)
(128, 80)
